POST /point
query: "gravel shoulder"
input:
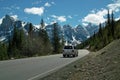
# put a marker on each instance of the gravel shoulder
(101, 65)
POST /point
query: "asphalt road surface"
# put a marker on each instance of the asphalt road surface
(34, 68)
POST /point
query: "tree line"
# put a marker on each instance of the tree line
(21, 44)
(105, 35)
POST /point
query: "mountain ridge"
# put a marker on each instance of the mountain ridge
(78, 33)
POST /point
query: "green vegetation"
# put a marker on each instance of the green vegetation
(21, 45)
(56, 39)
(105, 35)
(3, 52)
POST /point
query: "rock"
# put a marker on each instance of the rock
(103, 52)
(75, 66)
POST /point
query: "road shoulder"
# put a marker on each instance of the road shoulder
(65, 72)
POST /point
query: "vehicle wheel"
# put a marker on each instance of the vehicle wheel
(64, 55)
(73, 55)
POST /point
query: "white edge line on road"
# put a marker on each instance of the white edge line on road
(47, 72)
(32, 78)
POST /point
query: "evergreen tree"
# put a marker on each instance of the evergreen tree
(14, 39)
(9, 51)
(29, 43)
(42, 24)
(109, 29)
(63, 41)
(21, 40)
(44, 38)
(108, 18)
(100, 31)
(3, 52)
(41, 30)
(30, 32)
(113, 26)
(56, 39)
(16, 43)
(42, 33)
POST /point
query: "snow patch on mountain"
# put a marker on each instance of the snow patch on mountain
(37, 26)
(2, 38)
(15, 17)
(74, 35)
(23, 24)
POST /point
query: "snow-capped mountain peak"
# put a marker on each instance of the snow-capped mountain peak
(70, 34)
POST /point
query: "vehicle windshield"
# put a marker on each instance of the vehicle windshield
(68, 47)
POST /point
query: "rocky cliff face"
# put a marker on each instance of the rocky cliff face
(70, 34)
(73, 34)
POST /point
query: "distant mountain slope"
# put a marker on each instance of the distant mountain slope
(7, 26)
(70, 34)
(91, 28)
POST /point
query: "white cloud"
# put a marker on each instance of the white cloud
(54, 16)
(52, 2)
(7, 8)
(15, 17)
(17, 7)
(47, 4)
(95, 18)
(93, 11)
(70, 17)
(98, 16)
(102, 12)
(114, 6)
(36, 2)
(62, 18)
(59, 18)
(13, 7)
(35, 10)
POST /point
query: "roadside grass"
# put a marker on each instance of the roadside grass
(101, 65)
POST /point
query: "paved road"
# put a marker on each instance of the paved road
(33, 68)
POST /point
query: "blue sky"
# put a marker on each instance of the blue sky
(71, 12)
